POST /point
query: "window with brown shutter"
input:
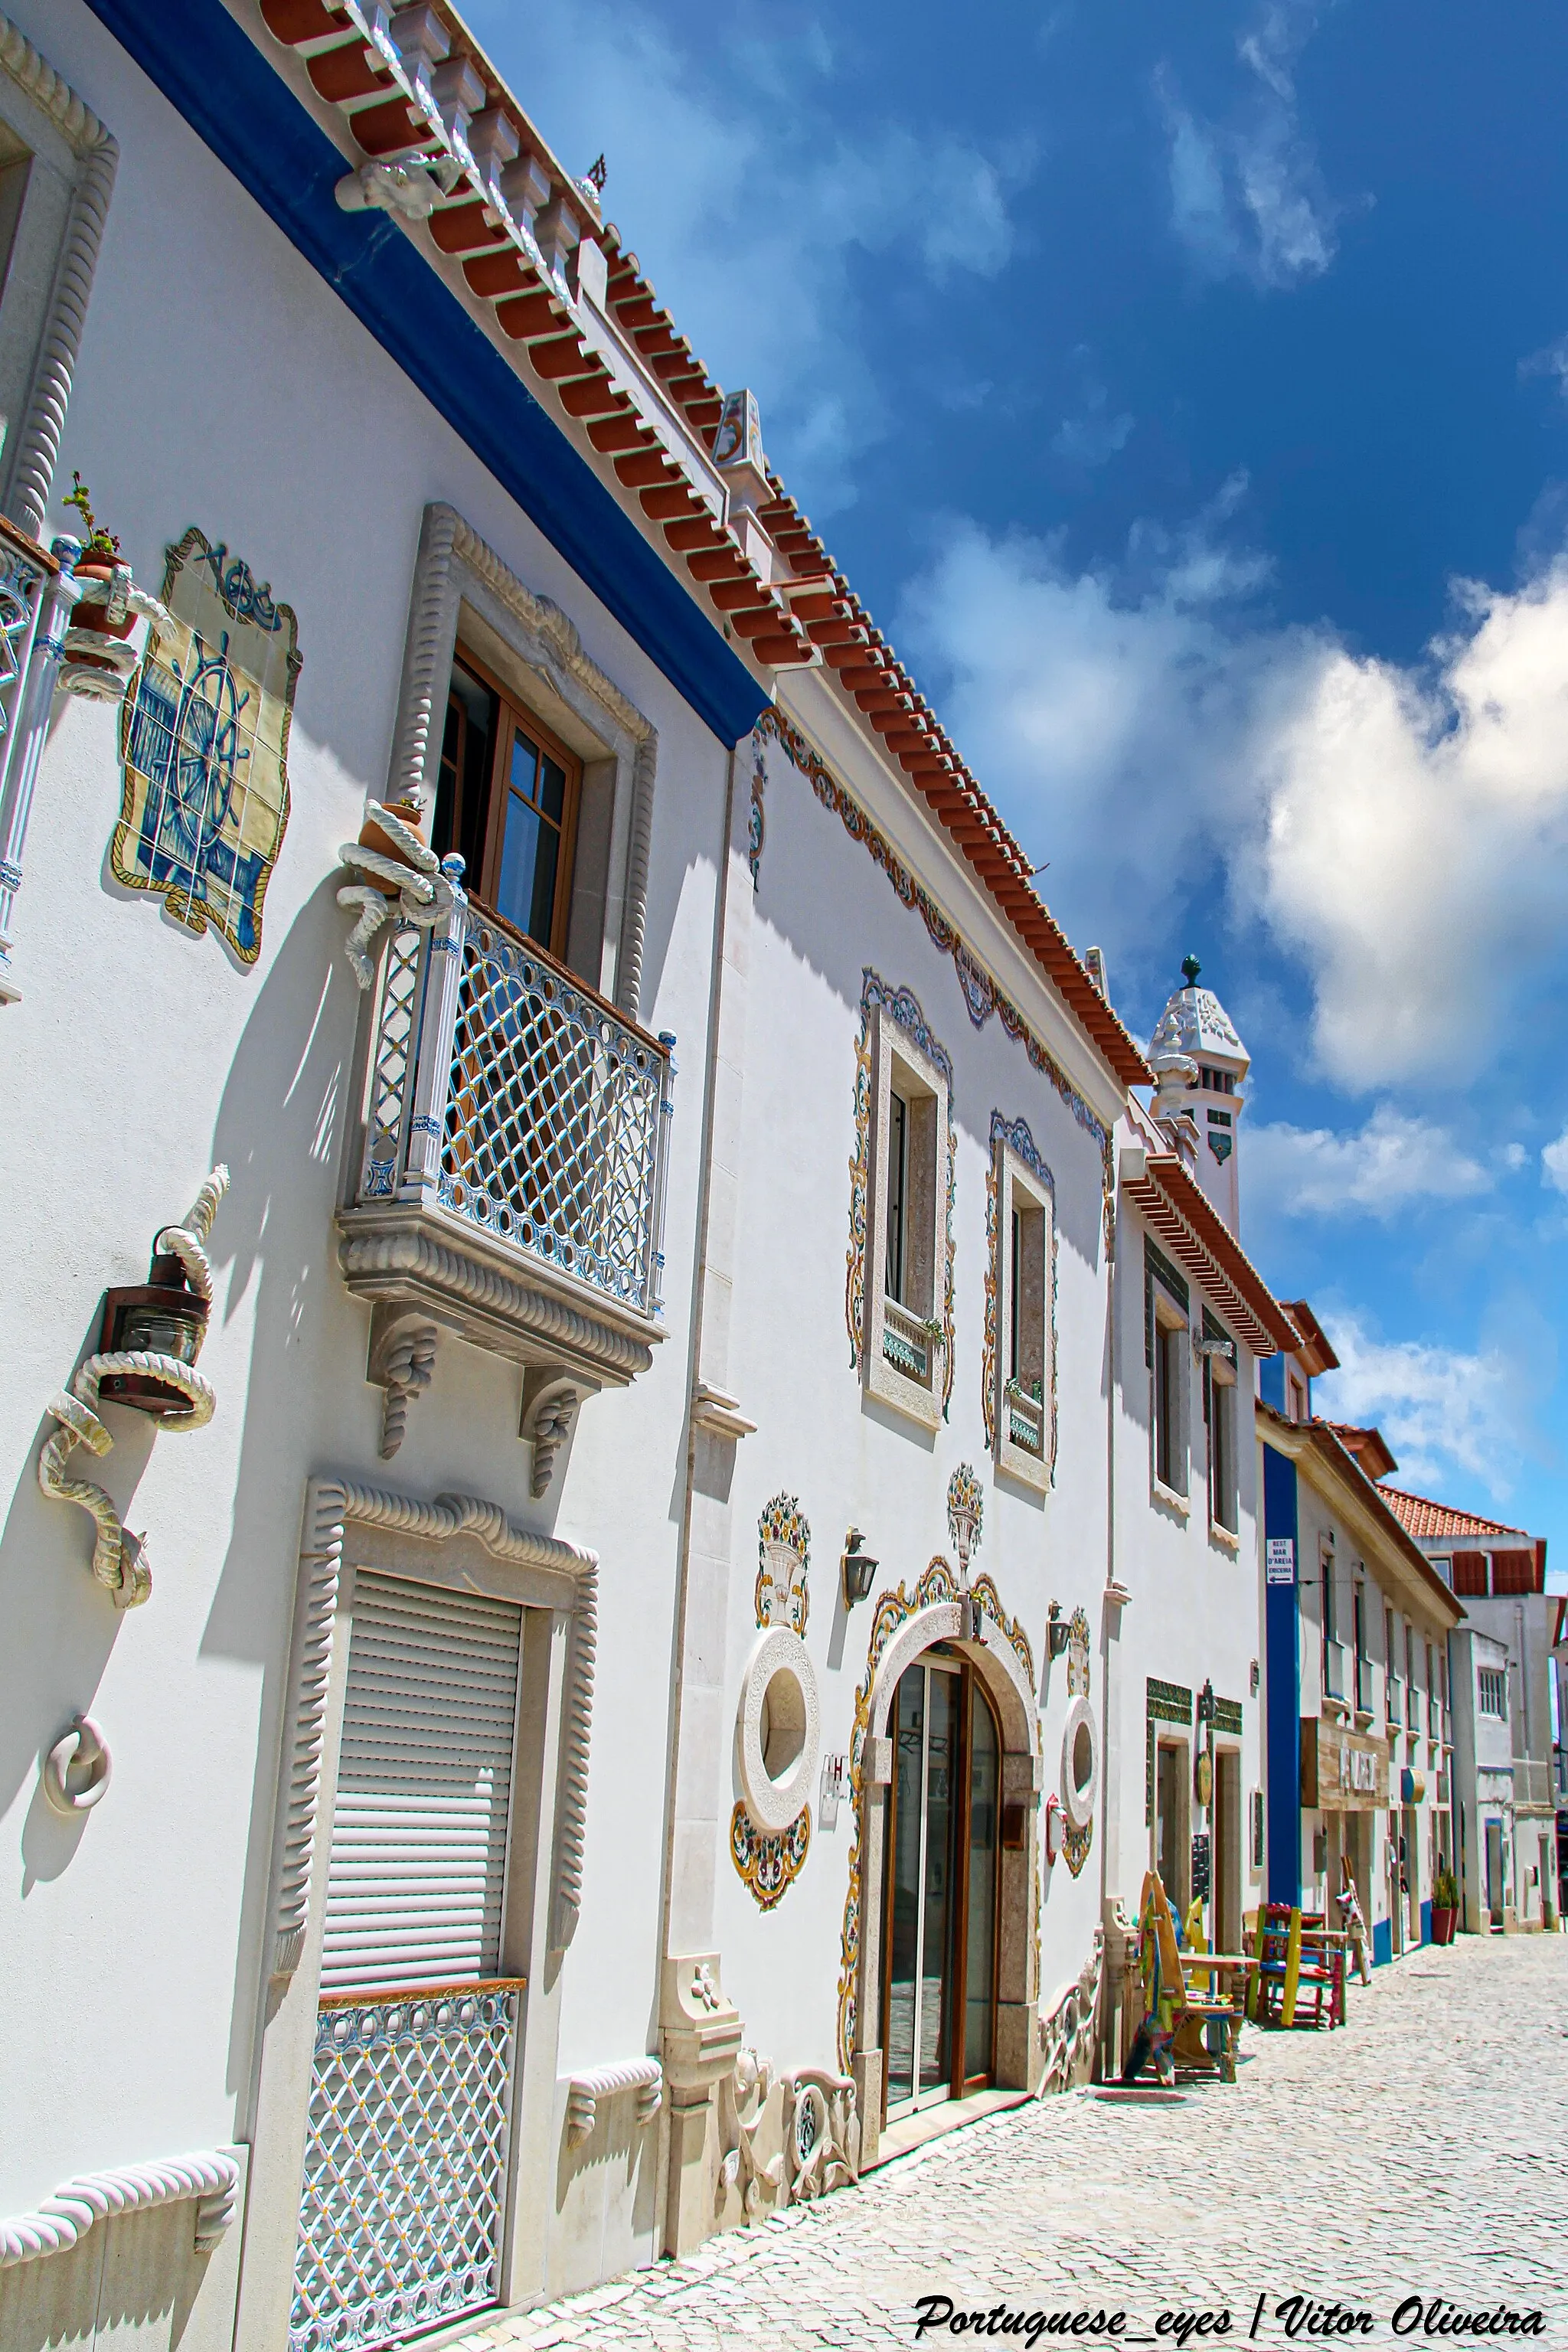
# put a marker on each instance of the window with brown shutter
(1470, 1574)
(1513, 1572)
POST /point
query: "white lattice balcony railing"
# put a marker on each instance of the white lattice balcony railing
(1025, 1419)
(513, 1148)
(907, 1341)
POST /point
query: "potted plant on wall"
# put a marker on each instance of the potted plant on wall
(1445, 1906)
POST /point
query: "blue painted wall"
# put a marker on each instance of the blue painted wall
(1382, 1943)
(1282, 1651)
(1271, 1381)
(214, 75)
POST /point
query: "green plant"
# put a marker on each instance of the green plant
(1445, 1890)
(98, 541)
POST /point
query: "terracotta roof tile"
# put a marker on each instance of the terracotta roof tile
(1425, 1519)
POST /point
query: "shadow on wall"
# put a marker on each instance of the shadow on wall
(279, 1130)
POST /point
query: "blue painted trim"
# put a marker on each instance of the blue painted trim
(1282, 1653)
(1382, 1943)
(214, 76)
(1271, 1381)
(1426, 1923)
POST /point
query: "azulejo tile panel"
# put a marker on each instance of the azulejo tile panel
(902, 1006)
(982, 995)
(784, 1564)
(204, 746)
(769, 1865)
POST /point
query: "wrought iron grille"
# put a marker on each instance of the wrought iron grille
(502, 1089)
(406, 2164)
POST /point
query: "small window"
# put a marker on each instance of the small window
(507, 804)
(1491, 1692)
(1219, 1416)
(898, 1192)
(1297, 1401)
(906, 1261)
(1170, 1455)
(1022, 1399)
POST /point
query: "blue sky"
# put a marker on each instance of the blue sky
(1186, 392)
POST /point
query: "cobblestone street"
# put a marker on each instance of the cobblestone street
(1419, 2151)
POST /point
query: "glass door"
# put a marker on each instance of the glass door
(942, 1874)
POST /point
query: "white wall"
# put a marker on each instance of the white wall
(222, 383)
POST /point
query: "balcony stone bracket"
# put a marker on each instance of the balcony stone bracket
(426, 1276)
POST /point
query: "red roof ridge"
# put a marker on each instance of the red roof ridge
(1455, 1522)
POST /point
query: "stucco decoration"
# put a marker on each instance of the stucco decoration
(84, 1749)
(1067, 2026)
(1080, 1763)
(982, 995)
(902, 1007)
(209, 2179)
(785, 2139)
(331, 1506)
(1014, 1134)
(757, 825)
(965, 1514)
(38, 442)
(119, 1558)
(204, 746)
(784, 1564)
(643, 2075)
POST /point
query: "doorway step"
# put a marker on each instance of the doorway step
(948, 2115)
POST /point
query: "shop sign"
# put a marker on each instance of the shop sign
(1341, 1772)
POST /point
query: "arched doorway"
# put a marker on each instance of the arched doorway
(942, 1888)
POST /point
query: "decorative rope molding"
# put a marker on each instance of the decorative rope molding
(446, 541)
(367, 1252)
(98, 151)
(643, 2075)
(66, 2216)
(119, 1557)
(981, 996)
(332, 1505)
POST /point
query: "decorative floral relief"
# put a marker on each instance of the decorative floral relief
(769, 1865)
(1077, 1843)
(204, 747)
(965, 1512)
(983, 1592)
(1015, 1133)
(902, 1006)
(784, 1563)
(981, 994)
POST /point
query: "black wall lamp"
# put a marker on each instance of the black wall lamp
(859, 1567)
(1057, 1630)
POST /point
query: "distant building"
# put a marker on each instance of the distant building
(1504, 1799)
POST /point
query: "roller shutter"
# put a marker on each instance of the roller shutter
(418, 1871)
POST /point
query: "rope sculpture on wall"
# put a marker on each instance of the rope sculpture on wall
(412, 887)
(210, 2178)
(119, 1557)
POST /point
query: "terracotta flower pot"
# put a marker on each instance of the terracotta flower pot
(1443, 1925)
(374, 835)
(91, 610)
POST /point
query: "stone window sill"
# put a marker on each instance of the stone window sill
(1167, 1496)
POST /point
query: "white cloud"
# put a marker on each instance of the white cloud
(750, 215)
(1093, 436)
(1111, 715)
(1402, 831)
(1416, 850)
(1378, 1171)
(1555, 1163)
(1552, 361)
(1247, 198)
(1441, 1411)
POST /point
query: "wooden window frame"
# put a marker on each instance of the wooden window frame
(518, 717)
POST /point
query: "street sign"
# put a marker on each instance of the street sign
(1279, 1561)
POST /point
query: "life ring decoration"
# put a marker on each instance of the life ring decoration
(780, 1729)
(1080, 1781)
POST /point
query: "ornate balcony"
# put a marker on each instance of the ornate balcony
(505, 1179)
